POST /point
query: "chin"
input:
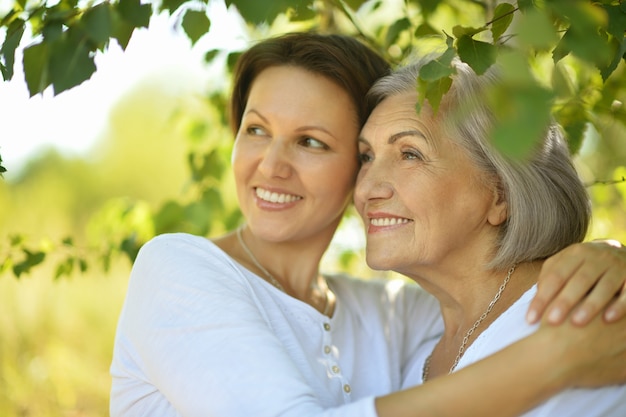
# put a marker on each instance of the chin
(378, 262)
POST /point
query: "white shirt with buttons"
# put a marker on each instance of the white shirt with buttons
(200, 335)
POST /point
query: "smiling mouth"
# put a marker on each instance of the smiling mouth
(273, 197)
(388, 221)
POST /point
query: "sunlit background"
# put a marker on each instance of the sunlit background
(159, 54)
(111, 136)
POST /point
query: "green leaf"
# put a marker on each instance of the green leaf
(585, 36)
(523, 114)
(573, 118)
(477, 54)
(168, 218)
(502, 18)
(122, 30)
(562, 84)
(209, 56)
(64, 268)
(257, 12)
(32, 259)
(52, 30)
(11, 42)
(617, 19)
(427, 7)
(354, 4)
(465, 31)
(171, 5)
(135, 13)
(130, 246)
(195, 24)
(535, 30)
(591, 46)
(231, 60)
(36, 68)
(439, 67)
(2, 169)
(425, 29)
(97, 23)
(619, 48)
(525, 5)
(83, 265)
(70, 61)
(396, 29)
(432, 91)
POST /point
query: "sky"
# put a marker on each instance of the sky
(73, 120)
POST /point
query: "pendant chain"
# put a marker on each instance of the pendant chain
(469, 333)
(267, 273)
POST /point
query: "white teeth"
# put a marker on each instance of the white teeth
(275, 197)
(388, 221)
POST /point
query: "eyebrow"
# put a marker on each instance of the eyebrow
(300, 129)
(396, 136)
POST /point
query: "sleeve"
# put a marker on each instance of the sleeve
(602, 402)
(191, 342)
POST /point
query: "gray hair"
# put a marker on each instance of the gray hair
(548, 207)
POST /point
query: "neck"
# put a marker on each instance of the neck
(464, 299)
(293, 264)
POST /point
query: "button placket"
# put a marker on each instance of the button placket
(333, 368)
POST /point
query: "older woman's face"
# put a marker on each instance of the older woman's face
(421, 198)
(295, 158)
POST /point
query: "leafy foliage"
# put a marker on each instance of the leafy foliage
(561, 58)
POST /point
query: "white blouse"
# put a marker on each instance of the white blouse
(510, 327)
(200, 335)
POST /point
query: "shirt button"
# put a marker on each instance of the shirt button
(347, 389)
(335, 369)
(327, 349)
(327, 327)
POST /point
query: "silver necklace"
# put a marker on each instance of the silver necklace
(269, 276)
(426, 369)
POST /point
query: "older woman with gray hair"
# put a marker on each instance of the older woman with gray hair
(471, 226)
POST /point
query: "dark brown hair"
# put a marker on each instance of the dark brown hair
(340, 58)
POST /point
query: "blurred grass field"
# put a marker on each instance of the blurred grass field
(56, 343)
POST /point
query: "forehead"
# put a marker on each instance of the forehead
(297, 86)
(295, 96)
(397, 112)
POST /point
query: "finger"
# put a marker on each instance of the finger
(602, 295)
(553, 276)
(575, 290)
(617, 310)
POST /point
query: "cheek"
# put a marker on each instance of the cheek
(338, 182)
(242, 155)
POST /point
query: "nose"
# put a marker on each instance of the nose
(372, 184)
(275, 161)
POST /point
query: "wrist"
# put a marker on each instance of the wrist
(553, 359)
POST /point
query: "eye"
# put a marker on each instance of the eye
(256, 131)
(310, 142)
(365, 156)
(412, 154)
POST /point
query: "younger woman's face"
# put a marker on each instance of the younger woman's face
(295, 155)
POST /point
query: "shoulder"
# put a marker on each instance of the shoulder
(175, 242)
(179, 249)
(183, 258)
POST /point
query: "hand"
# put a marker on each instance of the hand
(591, 356)
(585, 278)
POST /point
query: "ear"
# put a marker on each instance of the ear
(498, 212)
